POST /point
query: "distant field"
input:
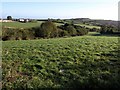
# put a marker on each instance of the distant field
(58, 24)
(24, 25)
(88, 26)
(20, 25)
(75, 62)
(29, 25)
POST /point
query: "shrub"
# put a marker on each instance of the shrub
(107, 29)
(94, 30)
(74, 30)
(37, 32)
(48, 30)
(33, 21)
(7, 33)
(62, 33)
(17, 34)
(71, 30)
(9, 17)
(81, 30)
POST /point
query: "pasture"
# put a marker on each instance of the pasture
(75, 62)
(24, 25)
(88, 26)
(38, 23)
(20, 25)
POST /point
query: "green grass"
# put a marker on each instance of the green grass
(29, 24)
(24, 25)
(20, 25)
(83, 62)
(58, 24)
(88, 26)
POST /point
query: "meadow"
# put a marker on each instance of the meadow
(20, 25)
(24, 25)
(74, 62)
(88, 26)
(38, 23)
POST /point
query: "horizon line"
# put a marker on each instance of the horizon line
(62, 18)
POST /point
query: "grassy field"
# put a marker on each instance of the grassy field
(29, 25)
(24, 25)
(88, 26)
(20, 25)
(75, 62)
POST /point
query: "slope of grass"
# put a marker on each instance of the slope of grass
(88, 26)
(20, 25)
(29, 24)
(76, 62)
(24, 25)
(58, 24)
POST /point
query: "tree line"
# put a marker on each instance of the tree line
(106, 29)
(46, 30)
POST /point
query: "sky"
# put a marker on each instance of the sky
(43, 9)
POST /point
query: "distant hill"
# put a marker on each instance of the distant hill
(87, 21)
(97, 22)
(105, 22)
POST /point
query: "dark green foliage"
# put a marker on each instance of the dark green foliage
(81, 30)
(17, 34)
(62, 33)
(33, 21)
(48, 29)
(37, 31)
(58, 20)
(7, 34)
(9, 17)
(108, 29)
(94, 30)
(71, 30)
(74, 30)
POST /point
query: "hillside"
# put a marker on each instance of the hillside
(94, 21)
(76, 62)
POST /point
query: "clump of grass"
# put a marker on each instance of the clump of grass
(78, 62)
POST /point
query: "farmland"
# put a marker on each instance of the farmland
(35, 24)
(20, 25)
(75, 62)
(88, 26)
(24, 25)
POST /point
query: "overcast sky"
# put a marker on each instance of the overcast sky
(94, 9)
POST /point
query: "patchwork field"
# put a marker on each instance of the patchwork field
(88, 26)
(75, 62)
(20, 25)
(29, 25)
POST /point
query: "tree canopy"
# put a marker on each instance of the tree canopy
(9, 17)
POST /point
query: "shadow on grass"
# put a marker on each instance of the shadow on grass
(104, 73)
(109, 35)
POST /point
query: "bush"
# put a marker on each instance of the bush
(74, 30)
(37, 32)
(17, 34)
(107, 30)
(81, 30)
(33, 21)
(48, 30)
(9, 17)
(7, 33)
(94, 30)
(71, 30)
(62, 33)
